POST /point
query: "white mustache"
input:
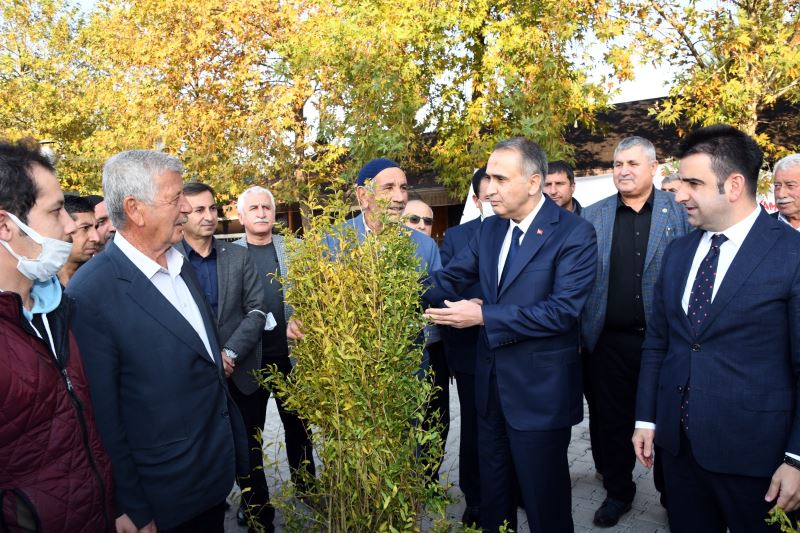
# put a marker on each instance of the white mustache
(784, 201)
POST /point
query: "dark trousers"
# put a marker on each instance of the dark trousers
(468, 474)
(438, 410)
(255, 492)
(700, 500)
(298, 444)
(210, 521)
(591, 402)
(614, 371)
(539, 461)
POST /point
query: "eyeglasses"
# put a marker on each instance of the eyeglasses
(414, 219)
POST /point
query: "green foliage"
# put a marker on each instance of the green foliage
(778, 516)
(734, 59)
(356, 379)
(510, 68)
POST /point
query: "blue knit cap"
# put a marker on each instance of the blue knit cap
(373, 168)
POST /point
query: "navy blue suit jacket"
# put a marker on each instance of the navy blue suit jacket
(460, 345)
(742, 365)
(161, 404)
(530, 332)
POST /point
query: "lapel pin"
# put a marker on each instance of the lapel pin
(664, 209)
(539, 231)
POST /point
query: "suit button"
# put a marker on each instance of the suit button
(680, 389)
(695, 347)
(224, 414)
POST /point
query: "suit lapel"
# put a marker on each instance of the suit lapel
(223, 272)
(539, 231)
(688, 258)
(189, 277)
(658, 224)
(752, 252)
(152, 302)
(496, 233)
(605, 232)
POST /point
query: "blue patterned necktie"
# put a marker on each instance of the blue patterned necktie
(703, 287)
(512, 253)
(700, 304)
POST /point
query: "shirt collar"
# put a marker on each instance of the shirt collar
(783, 219)
(526, 222)
(190, 252)
(147, 266)
(737, 233)
(648, 202)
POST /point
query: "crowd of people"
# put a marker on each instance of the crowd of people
(130, 335)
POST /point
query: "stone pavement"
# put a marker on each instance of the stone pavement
(647, 515)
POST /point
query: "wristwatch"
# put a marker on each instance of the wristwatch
(791, 461)
(231, 354)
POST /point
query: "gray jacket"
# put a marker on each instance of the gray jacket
(240, 317)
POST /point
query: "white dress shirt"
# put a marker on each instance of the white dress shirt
(736, 235)
(524, 224)
(169, 283)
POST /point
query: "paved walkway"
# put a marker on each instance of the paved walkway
(647, 515)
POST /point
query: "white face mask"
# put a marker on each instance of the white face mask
(43, 268)
(486, 209)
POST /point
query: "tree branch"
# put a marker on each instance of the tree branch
(681, 33)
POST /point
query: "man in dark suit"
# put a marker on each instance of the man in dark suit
(535, 263)
(153, 358)
(718, 383)
(460, 347)
(633, 228)
(232, 287)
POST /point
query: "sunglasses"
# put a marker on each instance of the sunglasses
(414, 219)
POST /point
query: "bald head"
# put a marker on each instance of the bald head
(419, 216)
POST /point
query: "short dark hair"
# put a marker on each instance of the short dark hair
(18, 190)
(534, 160)
(77, 204)
(561, 167)
(193, 188)
(730, 150)
(477, 178)
(94, 199)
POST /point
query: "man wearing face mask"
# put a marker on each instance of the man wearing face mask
(56, 475)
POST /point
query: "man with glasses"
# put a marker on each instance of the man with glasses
(419, 216)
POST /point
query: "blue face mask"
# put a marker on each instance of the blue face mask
(46, 296)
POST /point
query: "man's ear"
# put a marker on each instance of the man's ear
(534, 184)
(736, 186)
(361, 196)
(133, 210)
(477, 201)
(7, 227)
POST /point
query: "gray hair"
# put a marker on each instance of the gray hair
(533, 158)
(256, 189)
(790, 161)
(644, 144)
(669, 178)
(131, 173)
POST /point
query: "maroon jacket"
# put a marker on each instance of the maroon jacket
(52, 464)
